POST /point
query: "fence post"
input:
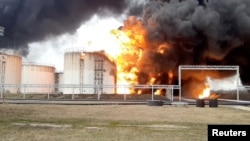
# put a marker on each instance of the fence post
(172, 93)
(73, 94)
(166, 93)
(1, 91)
(48, 91)
(24, 92)
(237, 83)
(125, 93)
(97, 92)
(152, 92)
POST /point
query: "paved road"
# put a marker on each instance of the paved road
(71, 102)
(113, 102)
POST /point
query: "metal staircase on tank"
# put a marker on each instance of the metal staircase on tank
(98, 78)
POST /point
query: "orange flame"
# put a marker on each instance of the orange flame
(170, 77)
(131, 47)
(205, 92)
(157, 92)
(130, 39)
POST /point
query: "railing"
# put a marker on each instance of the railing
(74, 89)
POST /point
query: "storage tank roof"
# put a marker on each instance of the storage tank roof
(81, 50)
(71, 50)
(9, 52)
(37, 64)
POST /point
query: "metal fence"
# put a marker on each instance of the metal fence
(44, 91)
(75, 91)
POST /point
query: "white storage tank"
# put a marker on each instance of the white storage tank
(89, 72)
(58, 82)
(37, 78)
(10, 71)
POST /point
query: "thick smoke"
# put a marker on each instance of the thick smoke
(27, 21)
(195, 32)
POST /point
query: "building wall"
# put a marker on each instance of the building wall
(37, 78)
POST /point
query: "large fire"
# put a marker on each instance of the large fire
(205, 92)
(128, 52)
(132, 46)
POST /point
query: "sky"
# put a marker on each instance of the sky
(41, 30)
(90, 36)
(185, 31)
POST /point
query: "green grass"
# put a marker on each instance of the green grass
(113, 122)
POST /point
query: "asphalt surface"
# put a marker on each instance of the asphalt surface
(117, 102)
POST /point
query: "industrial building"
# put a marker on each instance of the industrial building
(88, 73)
(10, 71)
(84, 73)
(37, 78)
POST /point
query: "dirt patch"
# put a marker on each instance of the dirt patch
(44, 125)
(160, 126)
(246, 108)
(93, 128)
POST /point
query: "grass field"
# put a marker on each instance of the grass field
(113, 122)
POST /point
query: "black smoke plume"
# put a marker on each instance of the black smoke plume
(197, 32)
(27, 21)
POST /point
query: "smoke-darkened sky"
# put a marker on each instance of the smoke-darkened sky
(27, 21)
(194, 32)
(213, 32)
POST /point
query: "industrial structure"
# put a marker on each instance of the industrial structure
(58, 82)
(209, 67)
(84, 73)
(10, 70)
(88, 73)
(37, 78)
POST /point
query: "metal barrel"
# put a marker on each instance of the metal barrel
(155, 103)
(200, 102)
(213, 103)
